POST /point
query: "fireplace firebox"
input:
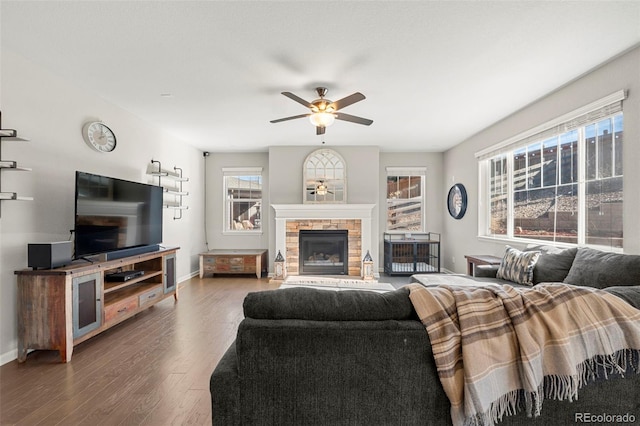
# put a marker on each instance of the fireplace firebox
(323, 252)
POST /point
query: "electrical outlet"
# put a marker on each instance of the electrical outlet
(453, 259)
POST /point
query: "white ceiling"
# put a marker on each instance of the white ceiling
(434, 72)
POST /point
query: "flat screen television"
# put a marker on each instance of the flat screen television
(114, 214)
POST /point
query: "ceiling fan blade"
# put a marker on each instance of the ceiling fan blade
(345, 102)
(293, 117)
(298, 99)
(320, 130)
(352, 118)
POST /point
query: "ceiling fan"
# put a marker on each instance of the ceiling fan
(320, 188)
(324, 111)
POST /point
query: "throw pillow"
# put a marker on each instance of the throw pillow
(553, 265)
(517, 266)
(600, 269)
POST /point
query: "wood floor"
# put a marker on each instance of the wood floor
(153, 369)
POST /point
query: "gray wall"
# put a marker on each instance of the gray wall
(460, 164)
(215, 201)
(285, 177)
(434, 190)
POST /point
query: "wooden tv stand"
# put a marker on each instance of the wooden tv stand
(62, 307)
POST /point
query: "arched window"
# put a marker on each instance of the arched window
(325, 177)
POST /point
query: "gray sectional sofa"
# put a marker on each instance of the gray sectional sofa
(317, 357)
(616, 272)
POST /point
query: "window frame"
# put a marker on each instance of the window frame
(226, 203)
(407, 171)
(579, 120)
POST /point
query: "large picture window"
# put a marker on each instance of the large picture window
(405, 199)
(562, 184)
(243, 199)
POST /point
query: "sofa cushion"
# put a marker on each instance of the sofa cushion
(595, 268)
(326, 305)
(630, 294)
(553, 265)
(517, 266)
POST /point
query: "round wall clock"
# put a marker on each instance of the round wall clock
(98, 136)
(457, 201)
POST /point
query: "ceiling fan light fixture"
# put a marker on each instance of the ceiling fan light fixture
(321, 190)
(322, 119)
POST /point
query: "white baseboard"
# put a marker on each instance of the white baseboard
(193, 274)
(9, 356)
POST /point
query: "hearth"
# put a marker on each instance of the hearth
(323, 252)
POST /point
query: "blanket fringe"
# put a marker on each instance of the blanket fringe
(559, 387)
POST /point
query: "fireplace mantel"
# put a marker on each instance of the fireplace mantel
(292, 212)
(323, 211)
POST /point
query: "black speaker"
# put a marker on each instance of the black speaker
(49, 255)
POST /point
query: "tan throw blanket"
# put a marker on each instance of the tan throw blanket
(499, 349)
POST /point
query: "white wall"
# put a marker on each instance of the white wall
(51, 111)
(460, 163)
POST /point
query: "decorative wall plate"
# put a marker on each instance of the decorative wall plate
(457, 201)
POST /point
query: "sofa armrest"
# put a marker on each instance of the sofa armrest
(485, 271)
(224, 386)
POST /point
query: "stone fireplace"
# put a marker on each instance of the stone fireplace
(355, 219)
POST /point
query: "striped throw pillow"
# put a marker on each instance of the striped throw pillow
(517, 266)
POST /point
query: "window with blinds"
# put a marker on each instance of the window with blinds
(560, 182)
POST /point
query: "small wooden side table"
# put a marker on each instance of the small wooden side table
(480, 259)
(233, 262)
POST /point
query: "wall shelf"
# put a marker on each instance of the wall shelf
(14, 196)
(10, 165)
(173, 191)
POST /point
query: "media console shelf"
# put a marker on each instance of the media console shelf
(62, 307)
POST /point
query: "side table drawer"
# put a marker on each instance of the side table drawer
(150, 296)
(236, 264)
(221, 268)
(249, 264)
(119, 309)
